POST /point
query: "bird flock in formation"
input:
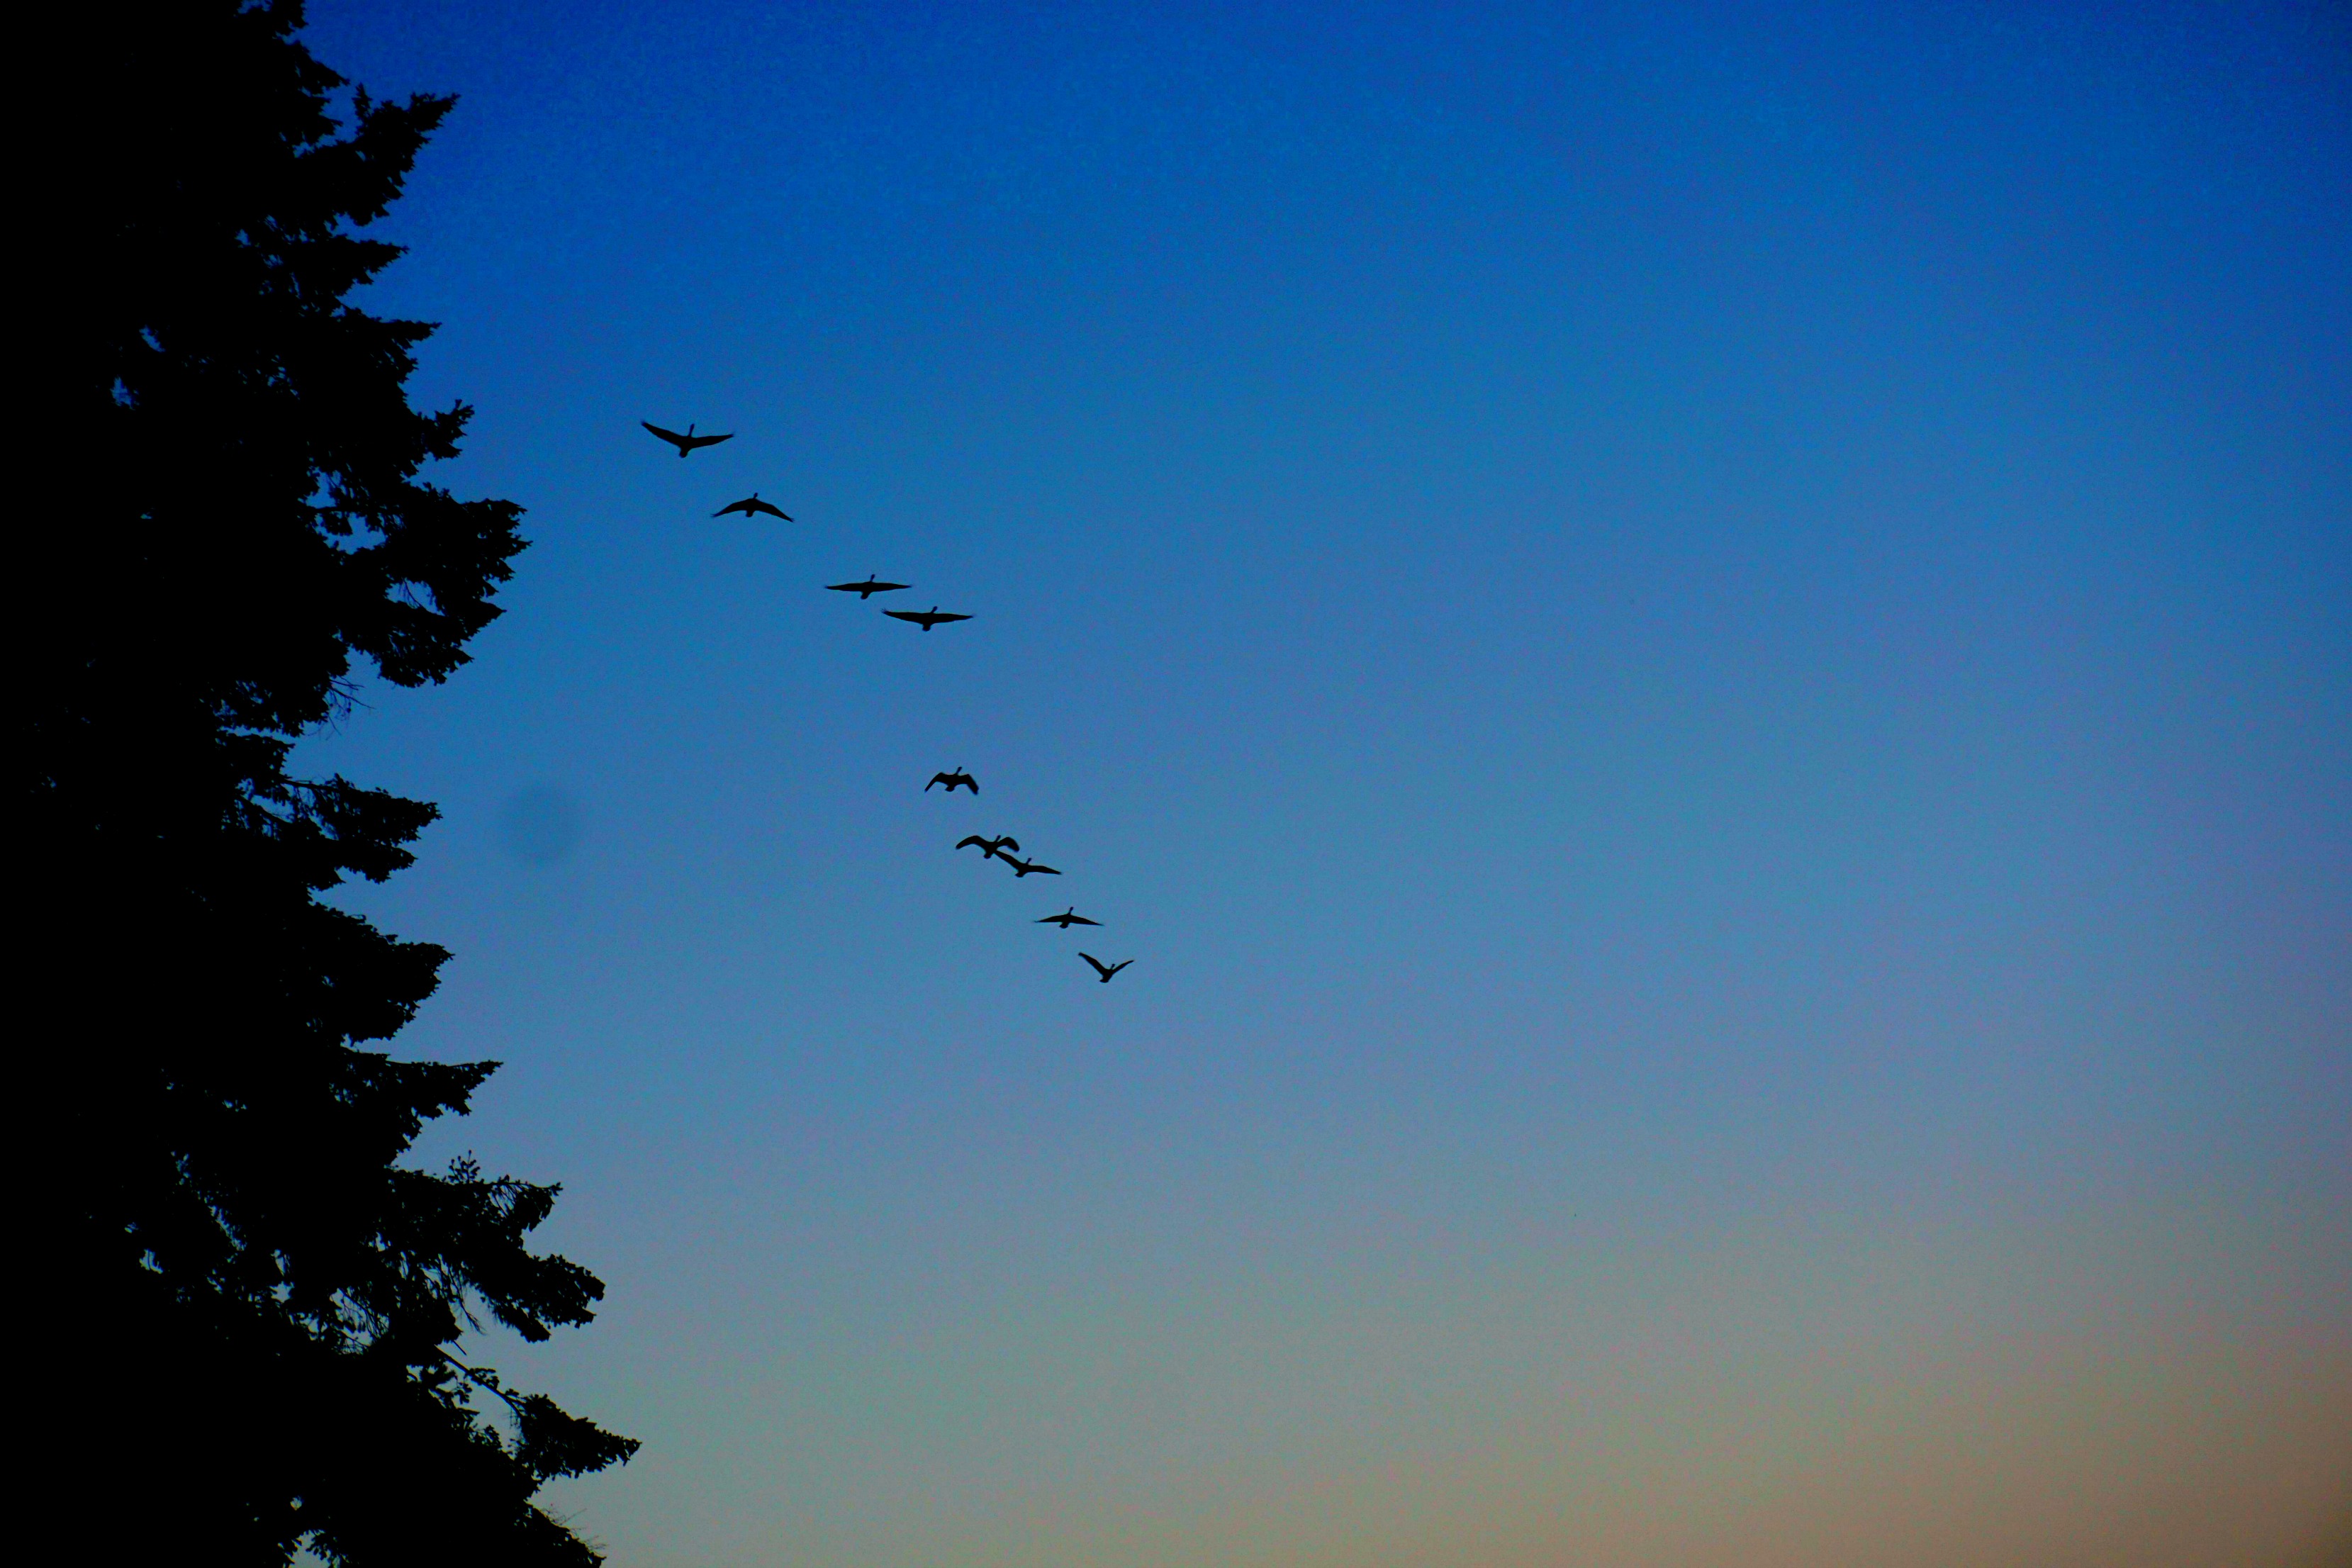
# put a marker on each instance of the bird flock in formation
(1004, 847)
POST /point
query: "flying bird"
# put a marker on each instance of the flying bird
(748, 505)
(1023, 868)
(1103, 972)
(993, 848)
(688, 442)
(952, 781)
(867, 589)
(926, 619)
(1068, 918)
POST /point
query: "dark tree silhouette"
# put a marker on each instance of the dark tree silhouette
(250, 1309)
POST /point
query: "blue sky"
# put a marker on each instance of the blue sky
(1703, 651)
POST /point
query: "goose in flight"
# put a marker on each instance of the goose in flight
(993, 848)
(1103, 972)
(749, 504)
(867, 589)
(688, 442)
(1023, 868)
(926, 619)
(1068, 918)
(952, 780)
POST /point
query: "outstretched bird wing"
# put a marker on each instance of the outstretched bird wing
(672, 436)
(967, 843)
(1115, 968)
(941, 779)
(1099, 968)
(704, 440)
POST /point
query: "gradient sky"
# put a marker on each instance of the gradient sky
(1705, 653)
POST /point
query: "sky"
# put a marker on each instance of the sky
(1704, 653)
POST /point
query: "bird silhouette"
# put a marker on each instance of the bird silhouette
(1103, 972)
(1026, 868)
(748, 505)
(926, 619)
(993, 848)
(954, 780)
(688, 442)
(1068, 918)
(867, 589)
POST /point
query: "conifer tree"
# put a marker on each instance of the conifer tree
(251, 1338)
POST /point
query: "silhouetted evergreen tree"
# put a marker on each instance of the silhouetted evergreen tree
(249, 1308)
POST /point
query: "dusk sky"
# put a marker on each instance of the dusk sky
(1703, 652)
